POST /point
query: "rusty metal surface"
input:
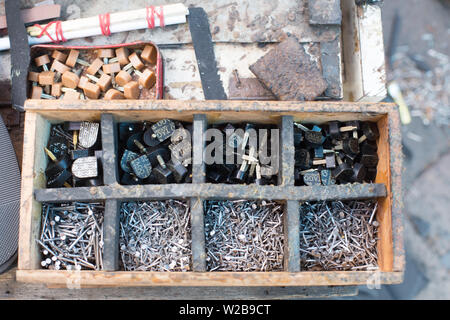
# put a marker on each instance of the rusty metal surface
(289, 72)
(248, 89)
(324, 12)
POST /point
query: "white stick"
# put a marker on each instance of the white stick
(96, 30)
(177, 9)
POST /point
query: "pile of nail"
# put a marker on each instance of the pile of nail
(424, 82)
(155, 236)
(155, 153)
(74, 155)
(244, 235)
(72, 236)
(335, 153)
(338, 236)
(98, 74)
(247, 155)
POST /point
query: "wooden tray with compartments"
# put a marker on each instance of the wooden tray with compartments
(386, 189)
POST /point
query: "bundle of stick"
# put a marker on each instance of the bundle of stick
(149, 17)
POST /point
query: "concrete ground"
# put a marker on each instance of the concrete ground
(425, 25)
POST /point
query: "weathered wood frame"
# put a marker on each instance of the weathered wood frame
(387, 188)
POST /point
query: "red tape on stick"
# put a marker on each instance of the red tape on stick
(58, 31)
(151, 16)
(104, 24)
(160, 16)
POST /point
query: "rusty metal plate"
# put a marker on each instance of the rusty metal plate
(289, 72)
(324, 12)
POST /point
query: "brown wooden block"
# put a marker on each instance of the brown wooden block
(72, 95)
(104, 82)
(82, 82)
(46, 78)
(56, 89)
(131, 90)
(60, 67)
(105, 53)
(37, 13)
(70, 79)
(135, 61)
(72, 58)
(95, 66)
(148, 79)
(123, 78)
(58, 55)
(122, 56)
(289, 72)
(41, 60)
(149, 54)
(112, 94)
(92, 91)
(111, 67)
(33, 76)
(36, 92)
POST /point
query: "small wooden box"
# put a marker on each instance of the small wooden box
(387, 189)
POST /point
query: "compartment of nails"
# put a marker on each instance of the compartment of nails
(339, 235)
(103, 73)
(335, 153)
(155, 152)
(244, 235)
(155, 236)
(71, 236)
(74, 155)
(242, 153)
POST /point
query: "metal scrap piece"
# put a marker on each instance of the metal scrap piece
(331, 68)
(325, 12)
(289, 72)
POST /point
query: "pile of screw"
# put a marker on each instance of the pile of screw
(74, 155)
(155, 153)
(338, 235)
(247, 154)
(155, 236)
(72, 236)
(425, 87)
(336, 152)
(244, 235)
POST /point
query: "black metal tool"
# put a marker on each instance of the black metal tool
(204, 52)
(20, 54)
